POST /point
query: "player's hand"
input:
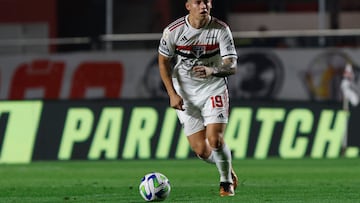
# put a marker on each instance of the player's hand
(202, 71)
(177, 102)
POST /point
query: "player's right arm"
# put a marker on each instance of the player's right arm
(176, 100)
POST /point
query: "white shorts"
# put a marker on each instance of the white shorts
(207, 109)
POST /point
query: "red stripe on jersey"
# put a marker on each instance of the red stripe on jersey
(176, 23)
(220, 22)
(208, 47)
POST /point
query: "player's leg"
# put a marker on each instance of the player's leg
(199, 145)
(215, 118)
(223, 159)
(222, 154)
(211, 159)
(218, 153)
(195, 131)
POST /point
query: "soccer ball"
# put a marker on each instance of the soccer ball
(154, 187)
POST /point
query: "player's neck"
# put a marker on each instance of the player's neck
(198, 23)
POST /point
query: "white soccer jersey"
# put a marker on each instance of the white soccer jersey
(191, 46)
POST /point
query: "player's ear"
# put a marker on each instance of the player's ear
(187, 5)
(210, 4)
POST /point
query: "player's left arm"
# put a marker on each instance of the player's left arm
(228, 67)
(229, 58)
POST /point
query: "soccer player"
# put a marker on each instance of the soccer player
(204, 53)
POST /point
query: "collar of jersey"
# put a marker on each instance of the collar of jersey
(188, 23)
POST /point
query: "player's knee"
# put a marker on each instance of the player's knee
(216, 142)
(201, 151)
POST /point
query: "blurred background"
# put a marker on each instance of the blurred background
(93, 18)
(319, 36)
(100, 56)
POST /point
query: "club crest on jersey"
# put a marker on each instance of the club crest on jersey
(198, 50)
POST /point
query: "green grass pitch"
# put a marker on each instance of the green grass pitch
(270, 180)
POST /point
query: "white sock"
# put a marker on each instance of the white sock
(222, 159)
(211, 158)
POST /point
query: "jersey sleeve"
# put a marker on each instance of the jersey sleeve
(227, 46)
(165, 47)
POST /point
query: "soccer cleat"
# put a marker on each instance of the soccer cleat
(226, 189)
(234, 179)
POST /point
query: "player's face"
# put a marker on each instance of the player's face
(199, 8)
